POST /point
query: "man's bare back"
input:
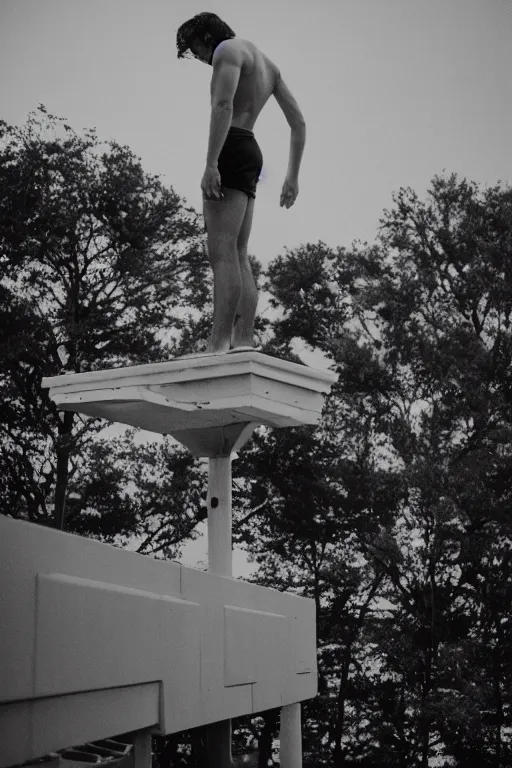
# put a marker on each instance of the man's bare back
(258, 79)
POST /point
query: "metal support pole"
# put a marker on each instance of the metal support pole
(220, 561)
(291, 737)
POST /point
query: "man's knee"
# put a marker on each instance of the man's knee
(243, 258)
(222, 248)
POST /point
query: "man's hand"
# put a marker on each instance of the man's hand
(211, 184)
(289, 192)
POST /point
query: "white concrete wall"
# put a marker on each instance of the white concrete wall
(97, 640)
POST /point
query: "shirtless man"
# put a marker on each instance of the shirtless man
(243, 80)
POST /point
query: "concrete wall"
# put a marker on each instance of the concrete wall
(96, 640)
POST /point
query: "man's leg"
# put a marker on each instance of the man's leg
(223, 219)
(243, 330)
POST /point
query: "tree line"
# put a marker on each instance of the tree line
(393, 514)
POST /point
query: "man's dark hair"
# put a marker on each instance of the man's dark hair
(198, 27)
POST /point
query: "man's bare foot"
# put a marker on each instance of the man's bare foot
(199, 354)
(216, 351)
(245, 348)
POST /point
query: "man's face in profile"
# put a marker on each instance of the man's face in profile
(200, 50)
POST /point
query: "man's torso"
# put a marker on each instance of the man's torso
(257, 82)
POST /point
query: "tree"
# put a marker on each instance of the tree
(102, 267)
(125, 491)
(418, 327)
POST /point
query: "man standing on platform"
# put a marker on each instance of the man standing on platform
(242, 82)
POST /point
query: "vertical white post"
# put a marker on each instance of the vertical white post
(220, 554)
(142, 750)
(220, 561)
(291, 737)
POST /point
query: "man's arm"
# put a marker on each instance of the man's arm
(297, 123)
(227, 65)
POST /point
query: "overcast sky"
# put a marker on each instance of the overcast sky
(393, 92)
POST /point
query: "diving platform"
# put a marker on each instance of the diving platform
(190, 395)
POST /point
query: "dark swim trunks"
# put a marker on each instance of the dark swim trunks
(240, 161)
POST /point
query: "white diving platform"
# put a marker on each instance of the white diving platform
(210, 392)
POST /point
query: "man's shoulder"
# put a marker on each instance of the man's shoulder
(234, 46)
(239, 43)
